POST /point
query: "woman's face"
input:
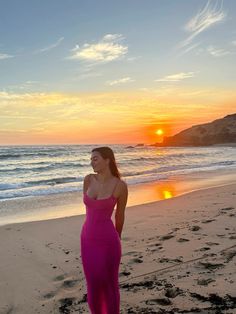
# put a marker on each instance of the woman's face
(97, 162)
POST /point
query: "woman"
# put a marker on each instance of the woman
(100, 239)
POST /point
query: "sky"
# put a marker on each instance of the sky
(91, 72)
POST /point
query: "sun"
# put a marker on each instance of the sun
(159, 132)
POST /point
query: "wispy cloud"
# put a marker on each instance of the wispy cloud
(209, 16)
(176, 77)
(86, 75)
(113, 37)
(217, 52)
(189, 48)
(120, 81)
(50, 47)
(5, 56)
(106, 50)
(24, 86)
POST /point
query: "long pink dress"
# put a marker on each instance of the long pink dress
(101, 255)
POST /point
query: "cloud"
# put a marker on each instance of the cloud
(176, 77)
(16, 96)
(217, 52)
(27, 85)
(189, 48)
(120, 81)
(57, 43)
(5, 56)
(86, 75)
(113, 37)
(106, 50)
(205, 18)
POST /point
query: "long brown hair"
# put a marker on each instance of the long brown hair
(107, 152)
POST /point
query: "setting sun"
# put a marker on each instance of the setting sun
(159, 132)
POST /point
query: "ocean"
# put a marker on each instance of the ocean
(27, 171)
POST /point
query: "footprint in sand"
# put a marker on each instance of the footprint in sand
(173, 292)
(223, 303)
(160, 301)
(210, 266)
(202, 249)
(204, 282)
(175, 229)
(155, 244)
(154, 247)
(220, 235)
(66, 251)
(154, 250)
(227, 208)
(66, 303)
(70, 283)
(169, 260)
(131, 253)
(183, 240)
(149, 284)
(135, 260)
(194, 228)
(229, 255)
(206, 221)
(212, 243)
(59, 278)
(125, 273)
(166, 237)
(49, 295)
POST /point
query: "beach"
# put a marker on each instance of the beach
(178, 256)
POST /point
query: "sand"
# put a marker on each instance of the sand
(178, 256)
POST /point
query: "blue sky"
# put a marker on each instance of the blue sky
(38, 39)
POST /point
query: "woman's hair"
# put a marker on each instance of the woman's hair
(107, 153)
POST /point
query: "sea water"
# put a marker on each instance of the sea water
(27, 171)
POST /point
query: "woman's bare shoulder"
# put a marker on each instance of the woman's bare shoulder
(88, 177)
(123, 184)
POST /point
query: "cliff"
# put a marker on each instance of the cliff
(220, 131)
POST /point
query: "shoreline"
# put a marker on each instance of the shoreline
(70, 204)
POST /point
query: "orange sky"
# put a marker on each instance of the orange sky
(121, 117)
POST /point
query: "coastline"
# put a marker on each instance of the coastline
(70, 204)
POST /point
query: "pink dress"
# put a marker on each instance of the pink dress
(101, 255)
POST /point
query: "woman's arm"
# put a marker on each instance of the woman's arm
(120, 208)
(86, 182)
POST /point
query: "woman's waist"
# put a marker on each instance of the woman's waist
(101, 225)
(91, 220)
(99, 229)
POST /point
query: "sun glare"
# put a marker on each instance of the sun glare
(159, 132)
